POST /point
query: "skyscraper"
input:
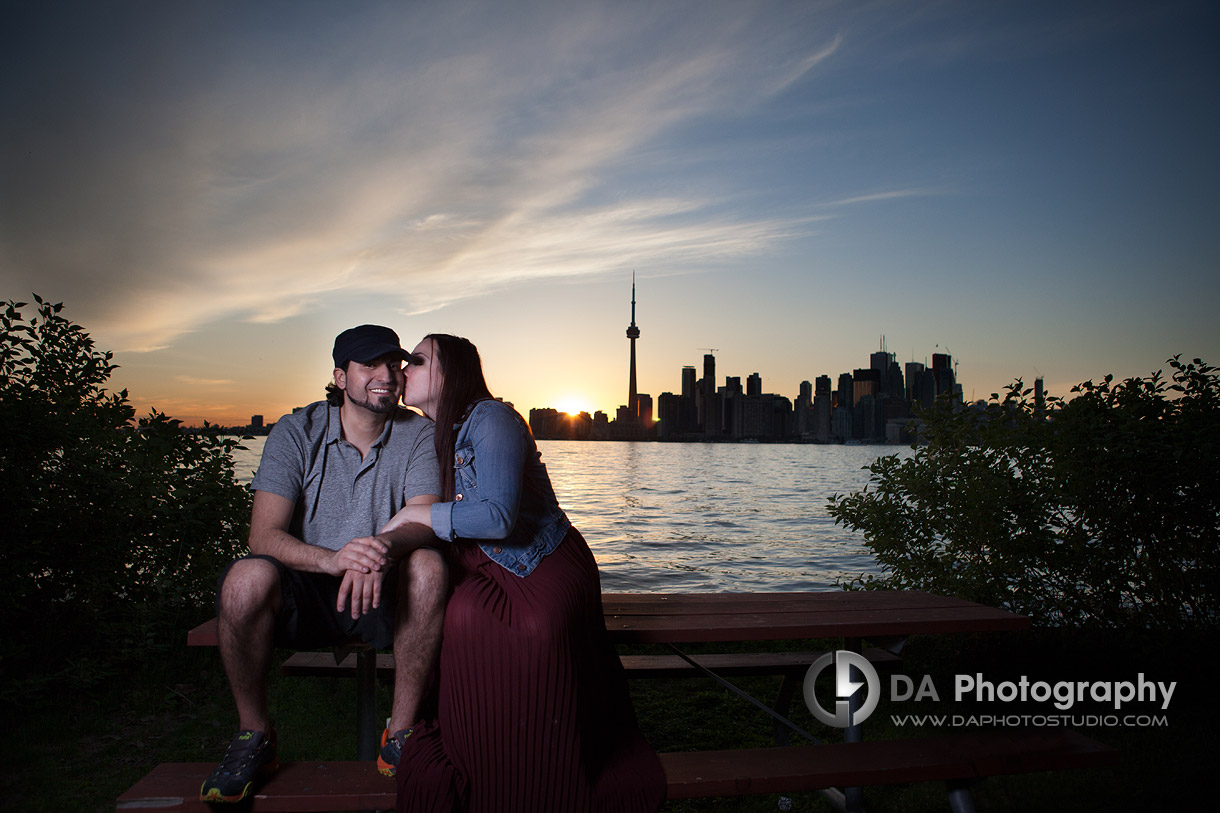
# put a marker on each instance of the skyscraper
(708, 404)
(633, 333)
(688, 420)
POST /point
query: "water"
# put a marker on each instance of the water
(691, 517)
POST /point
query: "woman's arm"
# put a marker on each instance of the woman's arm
(418, 513)
(410, 528)
(499, 442)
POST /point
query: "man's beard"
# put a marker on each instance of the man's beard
(383, 407)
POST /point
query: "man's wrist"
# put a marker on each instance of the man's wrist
(328, 562)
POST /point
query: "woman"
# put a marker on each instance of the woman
(533, 712)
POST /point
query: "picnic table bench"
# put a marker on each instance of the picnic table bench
(885, 618)
(957, 760)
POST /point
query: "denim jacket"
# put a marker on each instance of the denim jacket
(504, 500)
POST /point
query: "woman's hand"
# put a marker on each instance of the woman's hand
(421, 514)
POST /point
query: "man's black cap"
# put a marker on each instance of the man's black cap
(366, 343)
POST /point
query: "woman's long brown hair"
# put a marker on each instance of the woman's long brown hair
(463, 385)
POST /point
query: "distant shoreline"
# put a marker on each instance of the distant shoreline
(241, 432)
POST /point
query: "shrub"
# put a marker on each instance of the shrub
(115, 529)
(1102, 510)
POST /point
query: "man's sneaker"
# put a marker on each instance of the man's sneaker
(251, 756)
(391, 750)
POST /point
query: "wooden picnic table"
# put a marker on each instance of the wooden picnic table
(883, 618)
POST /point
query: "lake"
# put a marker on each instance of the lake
(693, 517)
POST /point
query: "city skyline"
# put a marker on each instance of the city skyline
(216, 189)
(870, 404)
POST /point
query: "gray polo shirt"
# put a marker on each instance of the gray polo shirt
(338, 496)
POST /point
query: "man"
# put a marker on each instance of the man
(319, 572)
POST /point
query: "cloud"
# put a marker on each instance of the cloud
(892, 194)
(808, 63)
(204, 382)
(173, 169)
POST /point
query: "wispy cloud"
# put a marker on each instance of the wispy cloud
(437, 152)
(891, 194)
(204, 382)
(803, 66)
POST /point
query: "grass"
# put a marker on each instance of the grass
(79, 752)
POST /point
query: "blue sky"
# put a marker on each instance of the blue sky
(215, 189)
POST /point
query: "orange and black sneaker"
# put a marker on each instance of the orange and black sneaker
(391, 750)
(251, 755)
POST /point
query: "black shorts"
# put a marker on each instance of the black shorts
(307, 618)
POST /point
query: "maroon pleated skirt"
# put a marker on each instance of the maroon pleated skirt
(533, 713)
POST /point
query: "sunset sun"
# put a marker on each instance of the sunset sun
(574, 405)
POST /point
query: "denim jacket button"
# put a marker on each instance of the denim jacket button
(457, 498)
(520, 567)
(459, 461)
(497, 550)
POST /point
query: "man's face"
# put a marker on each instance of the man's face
(373, 385)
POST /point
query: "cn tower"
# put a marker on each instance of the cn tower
(633, 333)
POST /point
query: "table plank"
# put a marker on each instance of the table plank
(711, 617)
(695, 627)
(730, 603)
(204, 635)
(296, 786)
(716, 617)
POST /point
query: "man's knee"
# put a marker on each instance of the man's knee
(248, 586)
(426, 575)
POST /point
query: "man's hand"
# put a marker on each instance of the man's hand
(363, 555)
(364, 590)
(362, 564)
